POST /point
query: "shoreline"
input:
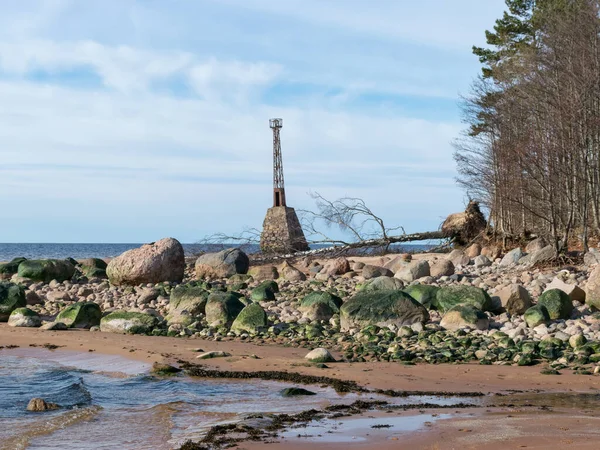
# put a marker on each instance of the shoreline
(448, 378)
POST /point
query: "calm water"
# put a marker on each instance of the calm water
(82, 251)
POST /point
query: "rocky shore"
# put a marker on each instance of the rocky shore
(472, 305)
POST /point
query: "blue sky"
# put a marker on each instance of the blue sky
(128, 121)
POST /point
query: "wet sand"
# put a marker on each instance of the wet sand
(564, 426)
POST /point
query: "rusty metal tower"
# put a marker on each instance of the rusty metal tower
(278, 186)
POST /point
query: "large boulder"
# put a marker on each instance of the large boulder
(381, 308)
(93, 267)
(24, 317)
(187, 303)
(558, 304)
(423, 293)
(128, 322)
(12, 296)
(250, 319)
(592, 289)
(333, 301)
(80, 315)
(222, 264)
(222, 308)
(46, 270)
(473, 251)
(449, 297)
(463, 316)
(7, 270)
(413, 271)
(515, 299)
(383, 284)
(159, 261)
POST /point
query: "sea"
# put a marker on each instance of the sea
(9, 251)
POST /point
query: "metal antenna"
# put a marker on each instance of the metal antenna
(278, 182)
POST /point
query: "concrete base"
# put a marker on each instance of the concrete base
(282, 232)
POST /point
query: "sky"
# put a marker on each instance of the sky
(133, 120)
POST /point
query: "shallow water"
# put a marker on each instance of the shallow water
(110, 402)
(104, 405)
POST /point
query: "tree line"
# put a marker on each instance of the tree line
(531, 150)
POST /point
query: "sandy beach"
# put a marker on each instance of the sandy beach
(542, 426)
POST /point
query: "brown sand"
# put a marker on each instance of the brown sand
(494, 429)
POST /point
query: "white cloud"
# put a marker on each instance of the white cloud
(127, 160)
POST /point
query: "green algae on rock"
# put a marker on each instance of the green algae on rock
(558, 304)
(46, 270)
(80, 315)
(381, 308)
(128, 322)
(463, 316)
(24, 317)
(187, 302)
(12, 296)
(250, 319)
(7, 270)
(222, 308)
(451, 296)
(424, 294)
(536, 315)
(265, 291)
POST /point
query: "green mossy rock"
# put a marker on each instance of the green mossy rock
(424, 294)
(128, 322)
(24, 317)
(93, 268)
(333, 301)
(250, 319)
(222, 308)
(7, 270)
(381, 308)
(383, 284)
(536, 315)
(187, 302)
(265, 291)
(451, 296)
(558, 304)
(295, 392)
(12, 296)
(80, 315)
(46, 270)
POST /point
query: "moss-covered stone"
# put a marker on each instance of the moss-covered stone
(536, 315)
(80, 315)
(250, 319)
(24, 317)
(383, 284)
(265, 291)
(7, 270)
(187, 303)
(448, 297)
(333, 301)
(222, 308)
(424, 294)
(46, 270)
(382, 308)
(558, 304)
(12, 296)
(128, 322)
(93, 268)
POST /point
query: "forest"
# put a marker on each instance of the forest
(530, 151)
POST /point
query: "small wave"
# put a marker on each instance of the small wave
(45, 426)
